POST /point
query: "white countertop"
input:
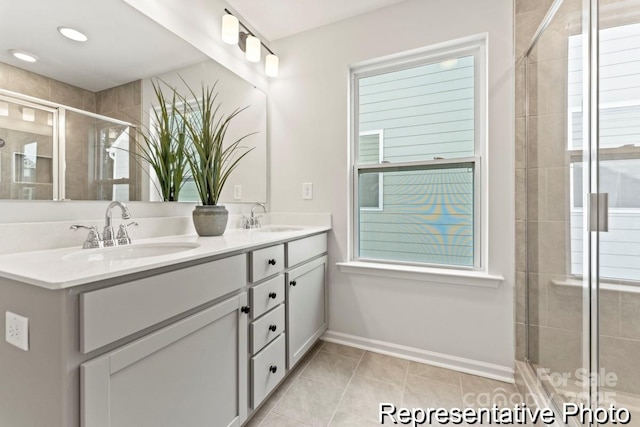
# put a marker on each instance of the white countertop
(61, 268)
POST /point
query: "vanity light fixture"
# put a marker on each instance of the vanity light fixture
(248, 43)
(23, 56)
(73, 34)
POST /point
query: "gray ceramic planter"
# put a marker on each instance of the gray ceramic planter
(210, 220)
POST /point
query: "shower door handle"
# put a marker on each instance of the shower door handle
(599, 212)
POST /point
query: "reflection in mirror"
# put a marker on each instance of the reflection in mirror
(26, 150)
(248, 182)
(77, 155)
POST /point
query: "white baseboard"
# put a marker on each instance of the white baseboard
(469, 366)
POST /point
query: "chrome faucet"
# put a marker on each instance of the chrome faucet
(254, 220)
(107, 234)
(94, 240)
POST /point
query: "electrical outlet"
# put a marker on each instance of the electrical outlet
(237, 192)
(17, 330)
(307, 191)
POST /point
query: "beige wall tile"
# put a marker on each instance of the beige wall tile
(547, 247)
(547, 83)
(630, 315)
(620, 356)
(537, 292)
(65, 94)
(521, 341)
(521, 246)
(547, 141)
(564, 307)
(521, 296)
(611, 313)
(521, 195)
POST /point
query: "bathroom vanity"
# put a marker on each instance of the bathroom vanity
(185, 331)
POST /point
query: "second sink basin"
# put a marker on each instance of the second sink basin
(122, 253)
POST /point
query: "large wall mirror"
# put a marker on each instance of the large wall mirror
(69, 121)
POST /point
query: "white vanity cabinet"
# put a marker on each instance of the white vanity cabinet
(306, 295)
(197, 339)
(191, 373)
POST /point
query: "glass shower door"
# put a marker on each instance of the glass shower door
(616, 171)
(558, 336)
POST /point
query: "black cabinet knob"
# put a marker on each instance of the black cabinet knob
(273, 328)
(245, 309)
(272, 295)
(292, 283)
(272, 262)
(273, 369)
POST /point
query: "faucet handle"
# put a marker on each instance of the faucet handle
(93, 238)
(123, 235)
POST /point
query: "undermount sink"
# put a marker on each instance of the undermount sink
(127, 252)
(277, 229)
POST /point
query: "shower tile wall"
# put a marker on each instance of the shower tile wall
(529, 14)
(31, 84)
(122, 102)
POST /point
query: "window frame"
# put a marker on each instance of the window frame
(380, 133)
(475, 46)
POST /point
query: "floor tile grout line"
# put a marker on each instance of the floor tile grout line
(290, 385)
(344, 392)
(404, 387)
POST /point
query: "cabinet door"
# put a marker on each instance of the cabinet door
(192, 373)
(306, 308)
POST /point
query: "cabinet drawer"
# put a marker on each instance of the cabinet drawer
(267, 369)
(267, 295)
(109, 314)
(267, 262)
(301, 250)
(266, 328)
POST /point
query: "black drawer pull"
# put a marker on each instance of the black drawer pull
(292, 283)
(273, 369)
(272, 295)
(273, 328)
(272, 261)
(245, 309)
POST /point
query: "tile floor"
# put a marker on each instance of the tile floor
(335, 385)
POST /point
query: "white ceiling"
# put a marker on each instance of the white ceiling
(124, 45)
(275, 19)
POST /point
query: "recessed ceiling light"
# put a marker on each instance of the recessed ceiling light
(23, 56)
(73, 34)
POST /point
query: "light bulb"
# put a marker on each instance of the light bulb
(271, 65)
(230, 29)
(253, 49)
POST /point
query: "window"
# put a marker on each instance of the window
(619, 150)
(418, 135)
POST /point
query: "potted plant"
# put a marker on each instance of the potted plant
(163, 146)
(210, 157)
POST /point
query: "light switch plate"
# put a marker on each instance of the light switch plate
(237, 192)
(307, 191)
(17, 330)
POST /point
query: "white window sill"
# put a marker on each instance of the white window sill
(422, 274)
